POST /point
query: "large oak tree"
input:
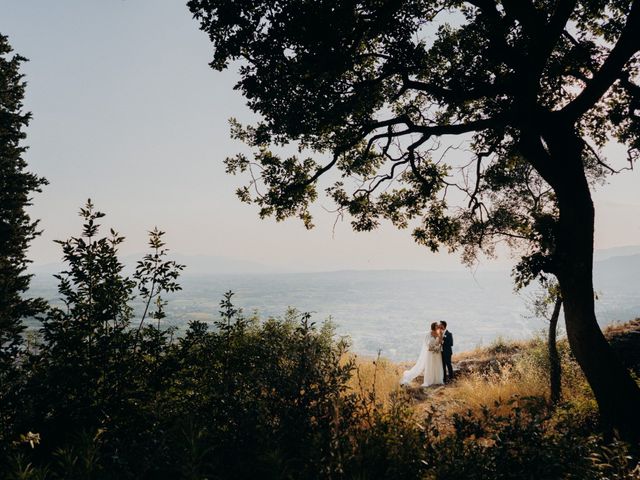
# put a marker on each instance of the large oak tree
(472, 121)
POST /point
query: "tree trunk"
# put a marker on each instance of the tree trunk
(558, 156)
(617, 394)
(555, 368)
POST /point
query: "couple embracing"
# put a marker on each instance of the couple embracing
(434, 362)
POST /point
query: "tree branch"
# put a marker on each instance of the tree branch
(379, 179)
(460, 128)
(628, 45)
(474, 93)
(323, 170)
(488, 7)
(534, 151)
(553, 30)
(525, 13)
(601, 162)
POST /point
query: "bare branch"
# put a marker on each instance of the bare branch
(473, 200)
(323, 170)
(602, 162)
(379, 179)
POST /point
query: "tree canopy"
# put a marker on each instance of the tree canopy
(473, 122)
(17, 229)
(378, 84)
(16, 187)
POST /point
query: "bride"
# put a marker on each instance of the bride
(429, 362)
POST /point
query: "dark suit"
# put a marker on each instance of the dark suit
(447, 353)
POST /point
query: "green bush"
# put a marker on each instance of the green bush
(245, 398)
(106, 395)
(523, 444)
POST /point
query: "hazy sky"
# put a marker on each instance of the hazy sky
(128, 112)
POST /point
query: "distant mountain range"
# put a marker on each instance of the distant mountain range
(607, 253)
(381, 309)
(195, 265)
(622, 270)
(607, 262)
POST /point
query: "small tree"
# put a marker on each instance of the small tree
(83, 364)
(547, 304)
(17, 229)
(155, 275)
(92, 369)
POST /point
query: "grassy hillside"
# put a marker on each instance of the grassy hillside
(281, 398)
(495, 420)
(498, 372)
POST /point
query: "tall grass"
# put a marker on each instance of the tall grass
(374, 378)
(507, 370)
(522, 374)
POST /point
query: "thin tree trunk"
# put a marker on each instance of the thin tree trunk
(555, 368)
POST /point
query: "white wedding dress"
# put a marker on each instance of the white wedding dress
(429, 364)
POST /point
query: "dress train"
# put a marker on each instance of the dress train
(429, 365)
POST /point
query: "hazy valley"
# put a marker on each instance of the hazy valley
(386, 310)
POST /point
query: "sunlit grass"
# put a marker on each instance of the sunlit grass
(501, 372)
(618, 328)
(499, 348)
(523, 374)
(375, 377)
(507, 381)
(506, 370)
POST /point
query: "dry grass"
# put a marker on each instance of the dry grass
(515, 371)
(375, 376)
(381, 378)
(498, 349)
(493, 389)
(619, 328)
(523, 375)
(511, 369)
(518, 370)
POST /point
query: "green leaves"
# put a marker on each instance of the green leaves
(155, 275)
(93, 287)
(17, 230)
(381, 88)
(290, 184)
(17, 186)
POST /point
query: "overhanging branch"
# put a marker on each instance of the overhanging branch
(626, 47)
(553, 31)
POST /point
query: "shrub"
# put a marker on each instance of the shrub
(516, 445)
(105, 398)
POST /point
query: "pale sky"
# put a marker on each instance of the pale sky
(128, 112)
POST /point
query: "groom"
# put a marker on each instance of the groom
(447, 352)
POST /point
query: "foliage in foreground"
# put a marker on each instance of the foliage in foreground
(277, 398)
(17, 229)
(105, 395)
(524, 443)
